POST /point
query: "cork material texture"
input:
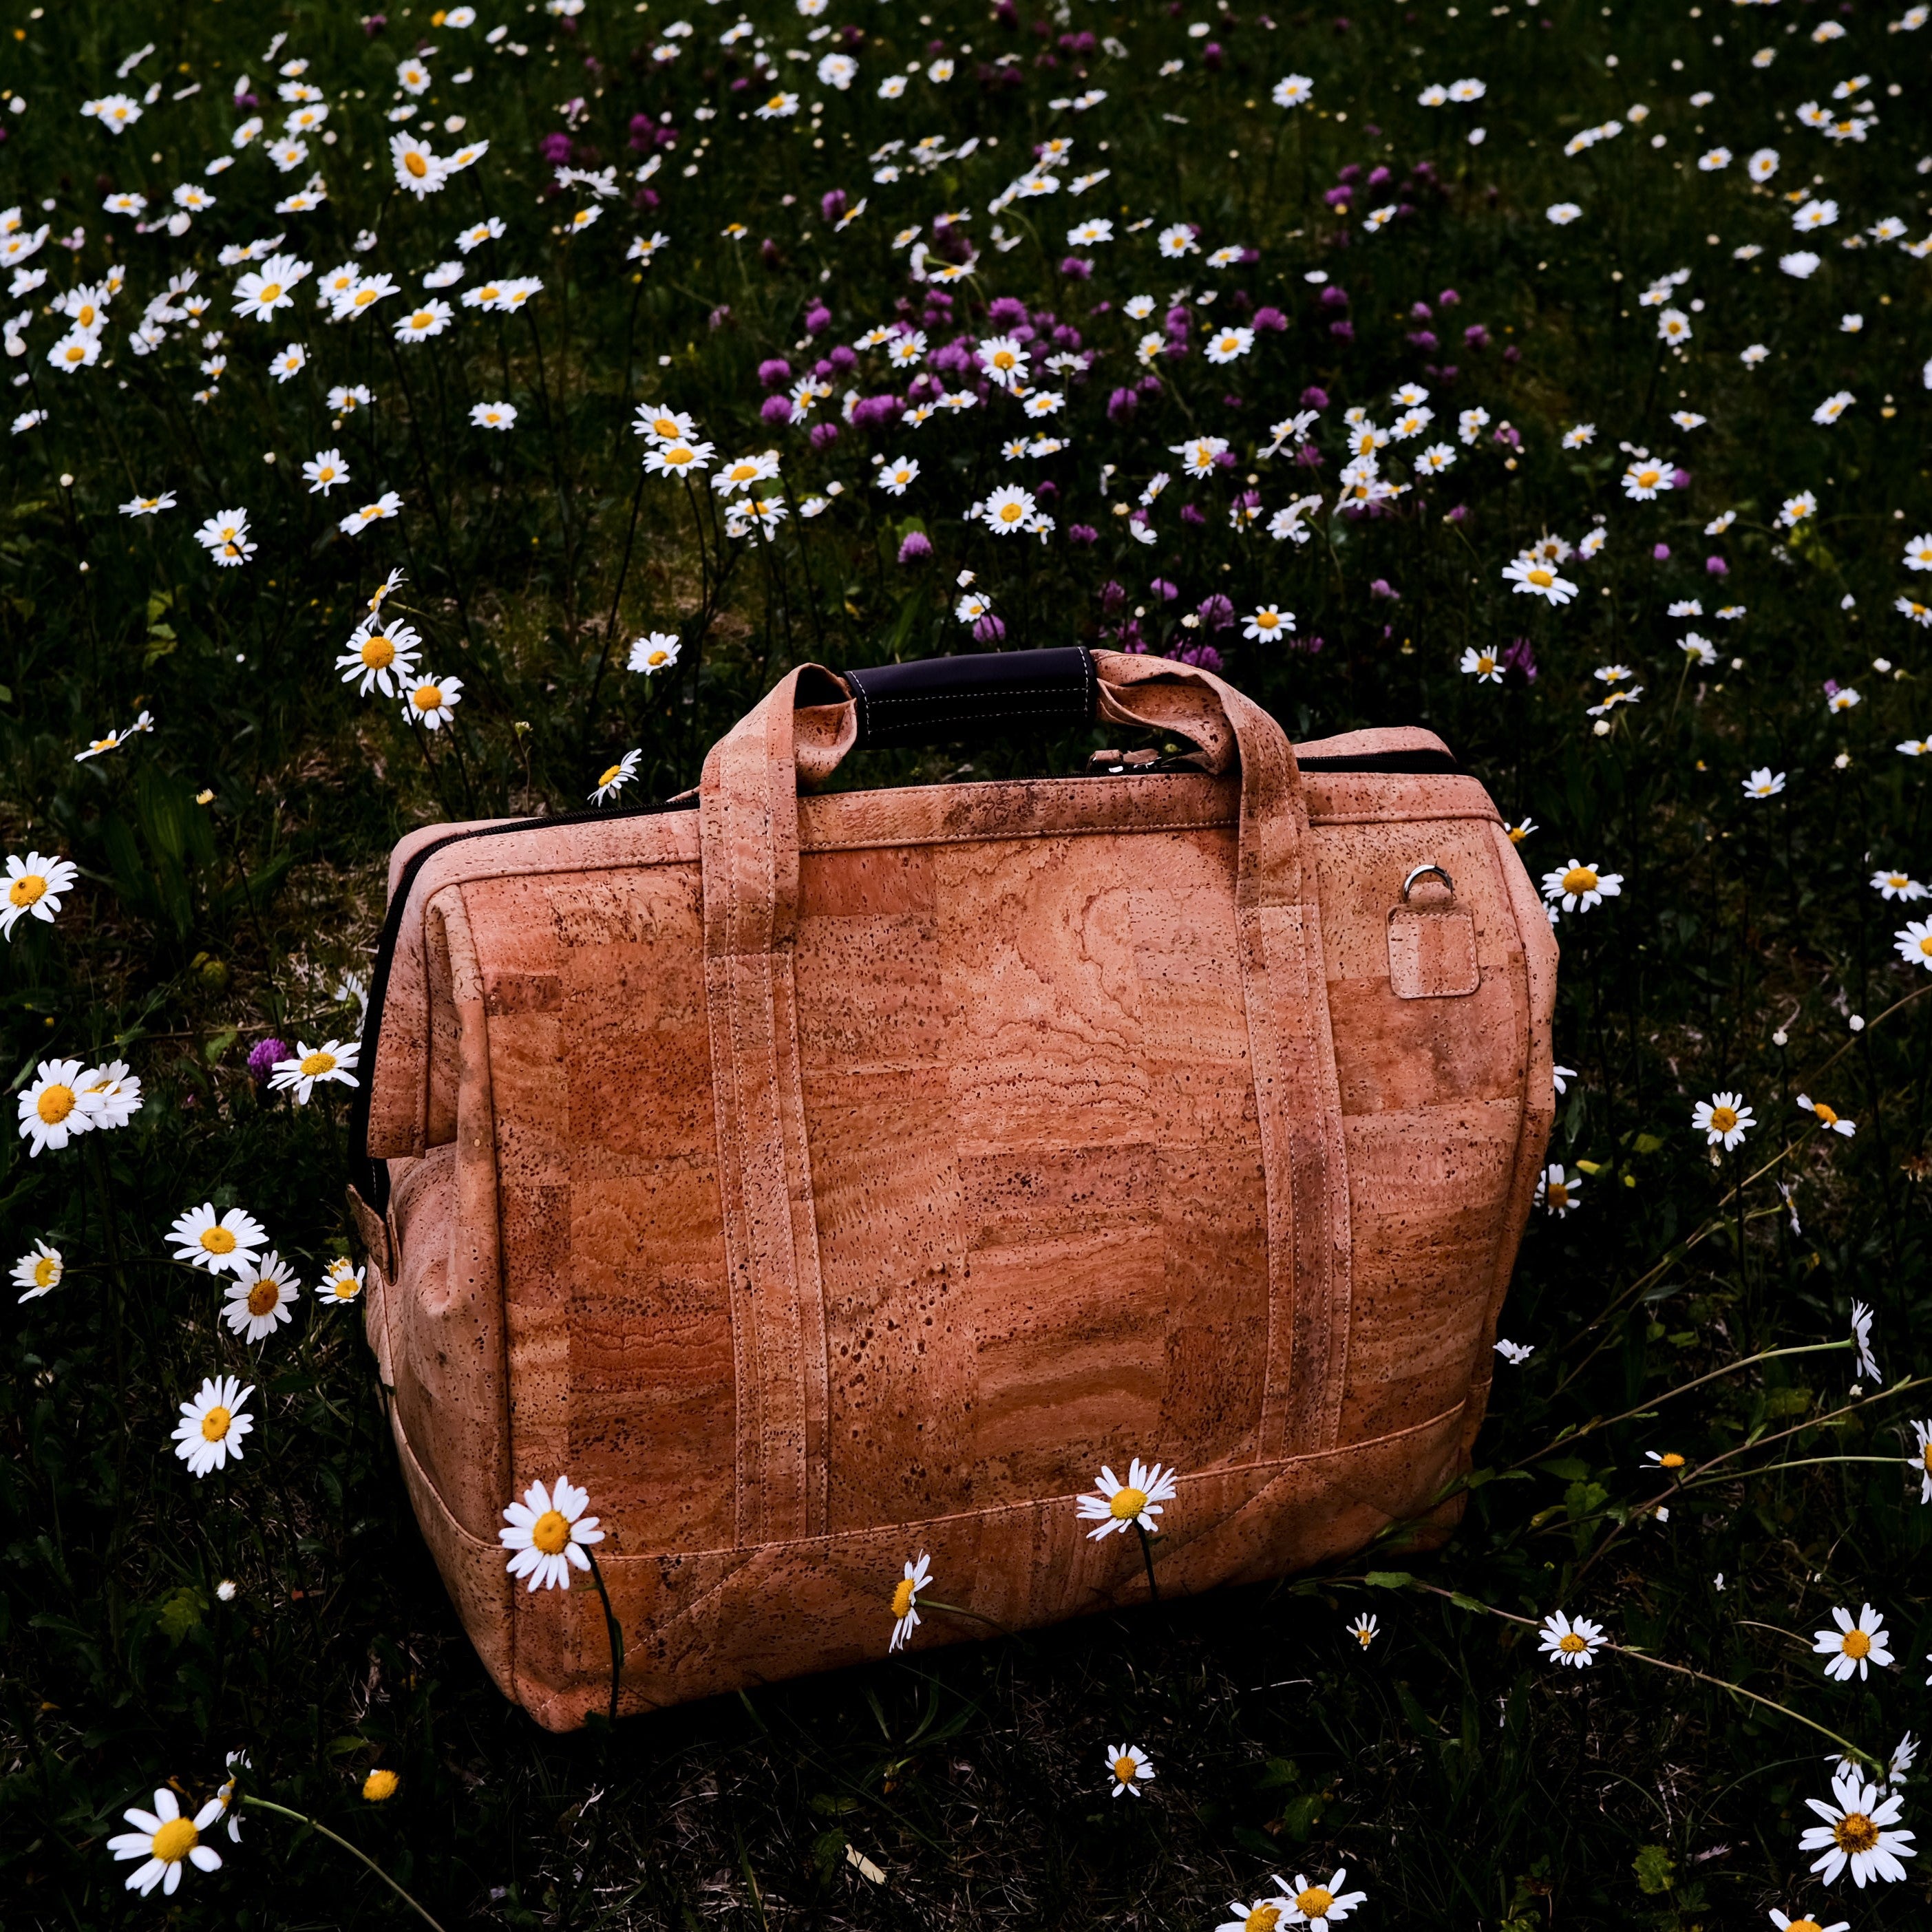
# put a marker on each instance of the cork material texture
(819, 1180)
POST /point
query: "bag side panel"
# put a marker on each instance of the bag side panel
(443, 1312)
(1433, 1099)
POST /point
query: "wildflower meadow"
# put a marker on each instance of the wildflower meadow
(469, 413)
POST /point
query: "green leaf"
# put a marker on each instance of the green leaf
(1656, 1870)
(1389, 1579)
(181, 1611)
(1568, 1469)
(1299, 1816)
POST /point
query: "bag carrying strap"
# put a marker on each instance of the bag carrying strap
(748, 816)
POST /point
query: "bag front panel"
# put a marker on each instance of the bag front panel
(1036, 1163)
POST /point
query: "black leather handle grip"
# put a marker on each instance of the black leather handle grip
(933, 699)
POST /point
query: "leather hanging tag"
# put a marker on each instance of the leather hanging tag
(1432, 945)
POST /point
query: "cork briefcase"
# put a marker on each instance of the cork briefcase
(821, 1180)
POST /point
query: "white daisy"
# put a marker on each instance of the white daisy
(1578, 887)
(1861, 1327)
(229, 1243)
(1365, 1630)
(114, 1092)
(494, 416)
(1921, 1460)
(1564, 1642)
(1130, 1768)
(655, 651)
(620, 775)
(1764, 782)
(379, 651)
(432, 702)
(545, 1532)
(333, 1061)
(341, 1283)
(258, 1302)
(1557, 1192)
(1852, 1646)
(1854, 1833)
(1318, 1906)
(166, 1842)
(34, 887)
(326, 470)
(1832, 1121)
(38, 1272)
(1535, 578)
(905, 1601)
(53, 1108)
(1723, 1119)
(211, 1428)
(1115, 1504)
(1913, 942)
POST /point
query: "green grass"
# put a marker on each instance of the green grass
(1460, 1779)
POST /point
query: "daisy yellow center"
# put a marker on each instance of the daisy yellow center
(174, 1840)
(379, 1785)
(1648, 477)
(364, 297)
(76, 353)
(1570, 1643)
(1579, 879)
(1804, 1925)
(416, 165)
(1266, 620)
(214, 1426)
(1230, 342)
(1925, 1454)
(1011, 513)
(1263, 1918)
(1485, 664)
(270, 290)
(421, 319)
(265, 1297)
(378, 653)
(1365, 1637)
(615, 772)
(54, 1104)
(903, 1596)
(27, 889)
(1004, 358)
(679, 456)
(1125, 1769)
(1128, 1504)
(1670, 1459)
(1723, 1119)
(1559, 1194)
(218, 1241)
(1827, 1116)
(46, 1271)
(427, 697)
(776, 101)
(1857, 1644)
(1855, 1832)
(550, 1532)
(84, 315)
(1315, 1901)
(1543, 579)
(343, 1287)
(664, 426)
(317, 1063)
(1925, 946)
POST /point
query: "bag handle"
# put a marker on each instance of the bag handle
(748, 819)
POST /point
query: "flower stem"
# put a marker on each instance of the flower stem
(301, 1818)
(611, 1625)
(1850, 1749)
(1147, 1557)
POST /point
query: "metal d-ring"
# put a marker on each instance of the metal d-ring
(1423, 872)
